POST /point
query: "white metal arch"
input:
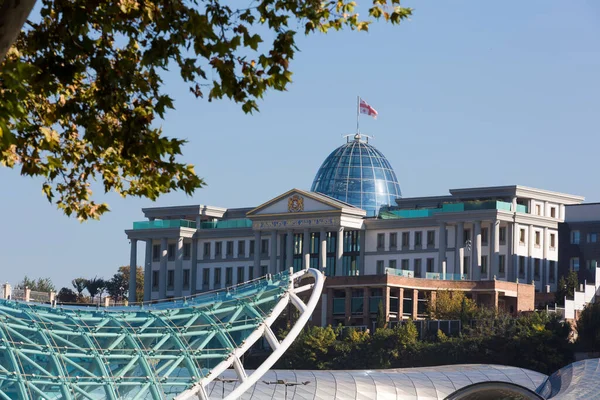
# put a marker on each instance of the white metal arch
(264, 330)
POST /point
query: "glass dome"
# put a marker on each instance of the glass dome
(359, 174)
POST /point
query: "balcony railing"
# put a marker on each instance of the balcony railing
(446, 277)
(400, 272)
(451, 207)
(227, 224)
(164, 223)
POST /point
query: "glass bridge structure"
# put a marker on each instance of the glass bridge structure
(166, 350)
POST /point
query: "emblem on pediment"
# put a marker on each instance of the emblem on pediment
(295, 203)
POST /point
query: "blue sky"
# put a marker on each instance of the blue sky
(469, 93)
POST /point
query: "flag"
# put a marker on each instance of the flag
(367, 109)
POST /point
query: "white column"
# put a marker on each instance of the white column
(442, 246)
(273, 255)
(495, 248)
(132, 270)
(544, 265)
(546, 209)
(339, 251)
(194, 267)
(476, 251)
(289, 251)
(561, 212)
(323, 252)
(148, 271)
(513, 229)
(306, 248)
(178, 286)
(459, 251)
(162, 274)
(256, 253)
(530, 254)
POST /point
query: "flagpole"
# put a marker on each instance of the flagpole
(357, 114)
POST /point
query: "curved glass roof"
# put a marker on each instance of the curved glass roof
(155, 351)
(359, 174)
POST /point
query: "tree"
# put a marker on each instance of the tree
(118, 286)
(81, 91)
(451, 305)
(566, 287)
(41, 285)
(66, 295)
(588, 327)
(94, 287)
(79, 284)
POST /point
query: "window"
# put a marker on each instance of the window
(536, 269)
(156, 252)
(250, 273)
(217, 276)
(591, 264)
(552, 241)
(430, 264)
(484, 236)
(207, 249)
(251, 247)
(418, 238)
(240, 275)
(467, 234)
(553, 212)
(380, 267)
(538, 239)
(502, 235)
(228, 276)
(405, 265)
(264, 246)
(241, 248)
(538, 209)
(171, 252)
(522, 236)
(393, 264)
(551, 275)
(170, 279)
(187, 251)
(393, 240)
(380, 241)
(575, 237)
(430, 238)
(229, 248)
(466, 265)
(575, 264)
(592, 237)
(186, 278)
(417, 267)
(406, 239)
(501, 264)
(263, 270)
(205, 277)
(521, 266)
(484, 264)
(154, 279)
(218, 246)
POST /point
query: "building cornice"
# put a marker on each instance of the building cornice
(183, 211)
(160, 233)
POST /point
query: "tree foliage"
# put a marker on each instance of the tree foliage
(79, 285)
(39, 285)
(566, 287)
(82, 93)
(449, 305)
(66, 295)
(588, 327)
(537, 341)
(95, 286)
(118, 286)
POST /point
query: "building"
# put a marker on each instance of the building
(579, 238)
(492, 242)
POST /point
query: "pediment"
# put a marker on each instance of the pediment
(298, 201)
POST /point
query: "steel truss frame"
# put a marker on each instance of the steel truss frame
(171, 349)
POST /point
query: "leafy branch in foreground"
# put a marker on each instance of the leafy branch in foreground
(82, 95)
